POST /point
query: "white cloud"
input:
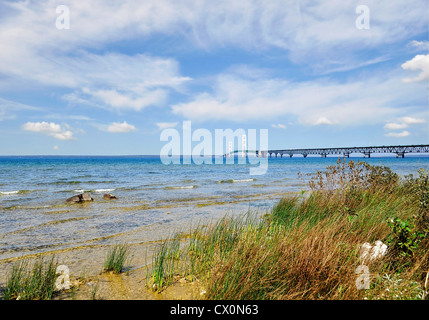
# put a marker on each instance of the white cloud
(318, 35)
(279, 126)
(124, 127)
(403, 122)
(35, 53)
(420, 44)
(418, 63)
(114, 81)
(127, 100)
(67, 116)
(166, 125)
(321, 101)
(402, 134)
(395, 126)
(31, 43)
(322, 120)
(411, 120)
(51, 129)
(55, 147)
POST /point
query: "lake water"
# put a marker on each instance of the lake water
(34, 216)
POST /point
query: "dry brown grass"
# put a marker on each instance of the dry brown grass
(309, 247)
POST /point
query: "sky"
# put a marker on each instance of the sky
(103, 77)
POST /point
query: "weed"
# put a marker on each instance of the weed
(36, 282)
(116, 258)
(164, 263)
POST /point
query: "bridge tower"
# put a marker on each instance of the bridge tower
(243, 146)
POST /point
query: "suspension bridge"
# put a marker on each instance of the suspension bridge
(399, 150)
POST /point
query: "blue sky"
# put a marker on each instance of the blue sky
(125, 70)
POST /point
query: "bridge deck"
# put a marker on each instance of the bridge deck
(346, 151)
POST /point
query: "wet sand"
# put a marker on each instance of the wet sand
(89, 281)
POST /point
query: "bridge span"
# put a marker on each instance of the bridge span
(400, 151)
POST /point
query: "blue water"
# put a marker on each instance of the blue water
(34, 216)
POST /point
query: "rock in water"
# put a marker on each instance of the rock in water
(80, 198)
(109, 196)
(75, 199)
(86, 197)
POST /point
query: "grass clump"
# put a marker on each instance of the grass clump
(308, 246)
(31, 282)
(116, 258)
(165, 262)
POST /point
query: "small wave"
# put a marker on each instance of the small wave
(7, 193)
(103, 190)
(81, 191)
(235, 180)
(181, 187)
(245, 180)
(95, 190)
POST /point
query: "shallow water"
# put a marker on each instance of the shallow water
(34, 216)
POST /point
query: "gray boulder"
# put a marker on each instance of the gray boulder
(80, 198)
(86, 197)
(109, 196)
(74, 199)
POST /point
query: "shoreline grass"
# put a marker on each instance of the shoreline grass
(308, 246)
(165, 261)
(116, 258)
(31, 282)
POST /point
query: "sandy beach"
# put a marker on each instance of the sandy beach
(86, 273)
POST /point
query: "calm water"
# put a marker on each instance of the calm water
(34, 216)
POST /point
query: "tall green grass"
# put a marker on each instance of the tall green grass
(116, 258)
(308, 246)
(31, 282)
(165, 262)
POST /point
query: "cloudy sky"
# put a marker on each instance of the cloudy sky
(106, 77)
